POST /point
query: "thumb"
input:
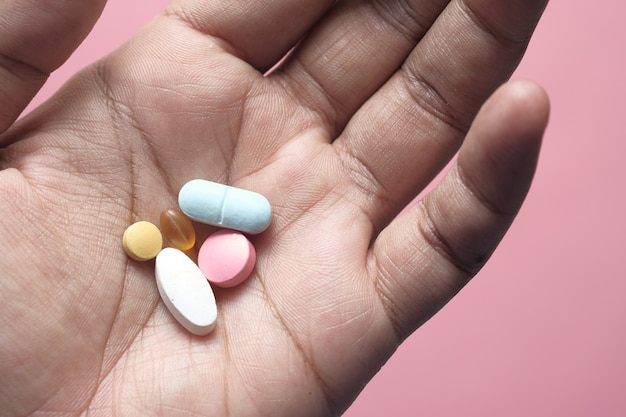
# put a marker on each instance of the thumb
(36, 37)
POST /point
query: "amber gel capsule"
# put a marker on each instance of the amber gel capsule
(178, 229)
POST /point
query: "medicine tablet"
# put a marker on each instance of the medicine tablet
(178, 229)
(226, 258)
(142, 241)
(224, 206)
(185, 291)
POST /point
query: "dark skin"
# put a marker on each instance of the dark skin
(372, 104)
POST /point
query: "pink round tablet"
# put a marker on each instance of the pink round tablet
(226, 258)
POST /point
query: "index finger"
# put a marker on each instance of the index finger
(258, 31)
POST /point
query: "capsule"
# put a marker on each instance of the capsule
(177, 229)
(225, 206)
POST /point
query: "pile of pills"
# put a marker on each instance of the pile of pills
(225, 259)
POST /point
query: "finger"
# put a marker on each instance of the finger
(426, 255)
(258, 31)
(353, 52)
(36, 37)
(470, 50)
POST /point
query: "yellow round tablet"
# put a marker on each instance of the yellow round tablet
(142, 241)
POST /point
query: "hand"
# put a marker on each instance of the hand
(374, 101)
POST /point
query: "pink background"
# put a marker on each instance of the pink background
(542, 330)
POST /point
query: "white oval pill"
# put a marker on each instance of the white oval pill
(224, 206)
(185, 291)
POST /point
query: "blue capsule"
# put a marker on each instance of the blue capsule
(225, 206)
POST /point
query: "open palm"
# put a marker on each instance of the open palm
(374, 101)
